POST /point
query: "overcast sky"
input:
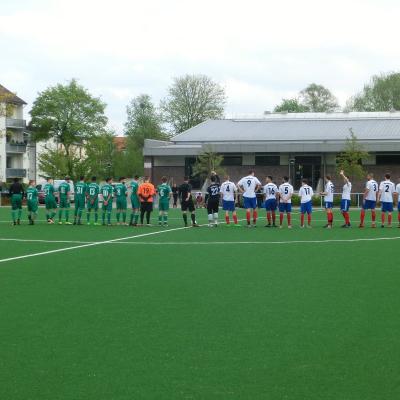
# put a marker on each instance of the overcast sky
(260, 51)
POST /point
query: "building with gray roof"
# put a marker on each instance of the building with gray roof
(297, 145)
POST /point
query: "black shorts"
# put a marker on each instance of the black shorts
(146, 206)
(187, 205)
(212, 206)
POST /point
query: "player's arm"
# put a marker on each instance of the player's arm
(366, 191)
(345, 178)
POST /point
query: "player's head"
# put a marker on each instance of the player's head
(108, 180)
(164, 179)
(213, 173)
(213, 179)
(328, 178)
(304, 181)
(81, 178)
(370, 175)
(227, 177)
(122, 178)
(269, 178)
(251, 172)
(186, 178)
(32, 182)
(387, 176)
(136, 177)
(147, 179)
(49, 179)
(94, 179)
(285, 179)
(67, 178)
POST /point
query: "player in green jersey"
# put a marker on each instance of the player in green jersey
(134, 201)
(107, 193)
(80, 197)
(121, 192)
(164, 192)
(17, 193)
(50, 201)
(32, 202)
(92, 195)
(64, 191)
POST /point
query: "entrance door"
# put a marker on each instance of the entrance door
(308, 167)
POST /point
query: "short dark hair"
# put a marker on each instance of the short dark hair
(67, 178)
(121, 178)
(48, 178)
(304, 180)
(164, 179)
(94, 179)
(328, 177)
(136, 177)
(251, 171)
(213, 179)
(146, 178)
(82, 178)
(108, 179)
(286, 179)
(270, 177)
(31, 181)
(387, 176)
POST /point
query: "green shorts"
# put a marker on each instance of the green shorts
(16, 202)
(50, 203)
(64, 202)
(135, 202)
(79, 203)
(163, 205)
(94, 205)
(121, 204)
(32, 206)
(107, 207)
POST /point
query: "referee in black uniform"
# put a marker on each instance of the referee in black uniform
(16, 194)
(186, 199)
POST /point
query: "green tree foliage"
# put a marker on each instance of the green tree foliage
(350, 159)
(382, 93)
(317, 98)
(55, 163)
(291, 106)
(206, 162)
(193, 99)
(143, 121)
(69, 115)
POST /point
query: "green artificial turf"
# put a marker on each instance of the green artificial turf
(200, 313)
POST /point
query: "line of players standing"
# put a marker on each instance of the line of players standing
(281, 198)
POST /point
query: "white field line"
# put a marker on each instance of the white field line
(123, 241)
(42, 253)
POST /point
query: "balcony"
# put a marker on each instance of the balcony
(15, 173)
(15, 123)
(15, 148)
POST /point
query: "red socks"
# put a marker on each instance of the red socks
(269, 217)
(227, 219)
(281, 218)
(273, 217)
(302, 220)
(346, 217)
(235, 220)
(373, 215)
(390, 219)
(330, 218)
(309, 219)
(248, 216)
(254, 216)
(383, 218)
(362, 217)
(289, 218)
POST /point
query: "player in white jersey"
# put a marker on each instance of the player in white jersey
(249, 185)
(346, 199)
(306, 193)
(369, 200)
(270, 191)
(385, 196)
(397, 194)
(328, 197)
(229, 191)
(285, 201)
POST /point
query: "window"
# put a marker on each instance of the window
(232, 160)
(388, 159)
(267, 160)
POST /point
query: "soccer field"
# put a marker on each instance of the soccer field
(184, 313)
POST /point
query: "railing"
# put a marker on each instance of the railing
(15, 173)
(15, 123)
(15, 148)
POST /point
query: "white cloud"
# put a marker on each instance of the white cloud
(261, 50)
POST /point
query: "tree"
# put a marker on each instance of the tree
(143, 121)
(206, 162)
(350, 159)
(55, 163)
(291, 106)
(317, 98)
(69, 115)
(193, 99)
(382, 93)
